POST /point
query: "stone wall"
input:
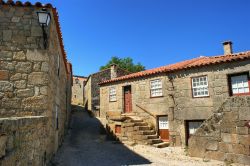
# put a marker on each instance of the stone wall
(23, 63)
(87, 94)
(225, 135)
(23, 133)
(95, 88)
(31, 81)
(120, 72)
(92, 88)
(78, 90)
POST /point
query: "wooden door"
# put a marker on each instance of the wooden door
(127, 99)
(163, 128)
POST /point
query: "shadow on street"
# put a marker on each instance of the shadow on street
(87, 144)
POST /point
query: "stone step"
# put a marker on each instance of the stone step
(161, 145)
(139, 137)
(136, 120)
(147, 132)
(130, 114)
(138, 131)
(141, 124)
(141, 128)
(152, 136)
(124, 138)
(154, 141)
(143, 142)
(130, 143)
(128, 124)
(144, 128)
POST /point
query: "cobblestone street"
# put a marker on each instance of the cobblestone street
(85, 145)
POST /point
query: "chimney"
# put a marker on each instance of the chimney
(227, 47)
(113, 71)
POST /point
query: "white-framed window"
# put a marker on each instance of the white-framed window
(112, 93)
(240, 84)
(200, 86)
(156, 88)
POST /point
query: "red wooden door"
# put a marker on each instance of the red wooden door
(163, 128)
(127, 99)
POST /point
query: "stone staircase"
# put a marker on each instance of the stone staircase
(135, 130)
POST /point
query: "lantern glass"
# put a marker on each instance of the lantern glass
(43, 18)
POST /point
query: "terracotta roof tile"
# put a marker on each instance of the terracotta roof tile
(20, 3)
(196, 62)
(55, 15)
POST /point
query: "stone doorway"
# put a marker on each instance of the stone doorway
(163, 128)
(127, 99)
(191, 126)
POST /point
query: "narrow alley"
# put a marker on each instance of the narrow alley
(87, 145)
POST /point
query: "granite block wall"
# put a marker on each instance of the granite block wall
(30, 84)
(225, 135)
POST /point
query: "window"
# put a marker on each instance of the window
(58, 65)
(193, 126)
(239, 84)
(112, 94)
(200, 86)
(57, 120)
(156, 88)
(118, 129)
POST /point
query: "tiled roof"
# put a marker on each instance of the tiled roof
(196, 62)
(19, 3)
(55, 15)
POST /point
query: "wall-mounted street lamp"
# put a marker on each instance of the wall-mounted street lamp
(77, 81)
(44, 20)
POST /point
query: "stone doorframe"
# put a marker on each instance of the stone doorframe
(157, 122)
(123, 100)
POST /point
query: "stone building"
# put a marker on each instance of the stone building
(35, 84)
(78, 90)
(92, 89)
(171, 102)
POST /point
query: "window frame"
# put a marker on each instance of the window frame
(57, 118)
(230, 83)
(115, 94)
(58, 64)
(150, 83)
(118, 129)
(192, 88)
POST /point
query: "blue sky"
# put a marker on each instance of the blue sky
(153, 32)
